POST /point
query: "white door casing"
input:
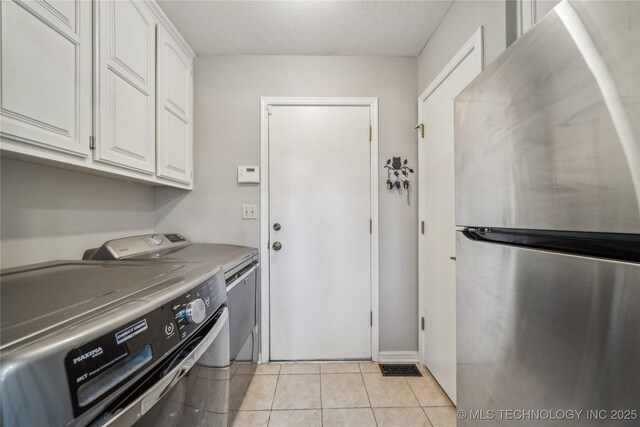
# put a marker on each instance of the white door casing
(319, 181)
(174, 110)
(46, 74)
(529, 12)
(437, 285)
(125, 104)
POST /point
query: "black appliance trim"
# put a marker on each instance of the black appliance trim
(243, 269)
(619, 247)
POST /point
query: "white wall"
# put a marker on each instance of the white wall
(49, 213)
(542, 7)
(462, 20)
(227, 134)
(499, 19)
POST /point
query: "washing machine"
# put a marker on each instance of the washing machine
(240, 266)
(114, 343)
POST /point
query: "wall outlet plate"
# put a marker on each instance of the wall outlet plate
(249, 211)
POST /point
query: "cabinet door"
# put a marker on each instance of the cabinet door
(125, 119)
(175, 110)
(45, 68)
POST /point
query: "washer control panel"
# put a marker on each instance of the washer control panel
(192, 308)
(175, 238)
(105, 363)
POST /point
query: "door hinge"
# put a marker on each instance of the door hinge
(422, 323)
(422, 227)
(371, 318)
(370, 226)
(370, 133)
(421, 127)
(92, 143)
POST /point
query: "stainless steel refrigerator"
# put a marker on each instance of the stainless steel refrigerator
(547, 152)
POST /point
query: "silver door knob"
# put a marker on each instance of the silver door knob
(277, 226)
(277, 246)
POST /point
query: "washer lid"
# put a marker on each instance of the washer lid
(43, 297)
(171, 247)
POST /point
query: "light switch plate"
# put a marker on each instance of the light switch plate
(249, 211)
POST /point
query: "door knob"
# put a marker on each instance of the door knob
(277, 246)
(277, 226)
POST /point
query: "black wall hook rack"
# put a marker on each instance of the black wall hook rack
(398, 174)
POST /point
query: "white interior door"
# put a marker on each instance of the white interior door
(319, 193)
(437, 210)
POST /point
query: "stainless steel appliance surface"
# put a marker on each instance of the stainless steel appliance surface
(103, 343)
(547, 160)
(239, 264)
(548, 136)
(240, 267)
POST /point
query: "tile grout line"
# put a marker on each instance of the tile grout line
(427, 415)
(375, 420)
(321, 405)
(415, 396)
(441, 389)
(274, 395)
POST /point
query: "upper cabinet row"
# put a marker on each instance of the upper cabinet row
(104, 86)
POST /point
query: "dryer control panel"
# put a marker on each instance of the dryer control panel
(128, 247)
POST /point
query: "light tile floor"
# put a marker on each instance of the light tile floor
(340, 394)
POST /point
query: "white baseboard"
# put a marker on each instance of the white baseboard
(398, 356)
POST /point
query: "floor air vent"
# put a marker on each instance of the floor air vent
(399, 370)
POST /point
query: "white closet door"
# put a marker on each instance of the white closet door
(126, 85)
(437, 246)
(175, 110)
(46, 74)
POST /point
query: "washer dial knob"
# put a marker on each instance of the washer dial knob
(195, 311)
(156, 239)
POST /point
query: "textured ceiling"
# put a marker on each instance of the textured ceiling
(394, 28)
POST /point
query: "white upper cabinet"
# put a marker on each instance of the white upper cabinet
(46, 75)
(125, 85)
(103, 86)
(174, 110)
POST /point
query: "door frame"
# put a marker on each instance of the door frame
(265, 106)
(473, 43)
